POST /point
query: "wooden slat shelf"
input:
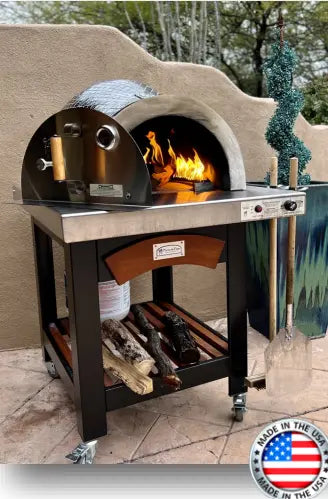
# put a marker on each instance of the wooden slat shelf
(210, 344)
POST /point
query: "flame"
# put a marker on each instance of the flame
(177, 166)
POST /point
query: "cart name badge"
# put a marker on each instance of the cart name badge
(289, 459)
(106, 190)
(163, 251)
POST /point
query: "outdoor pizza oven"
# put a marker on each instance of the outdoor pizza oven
(118, 147)
(119, 142)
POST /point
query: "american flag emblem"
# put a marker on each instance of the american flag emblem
(291, 461)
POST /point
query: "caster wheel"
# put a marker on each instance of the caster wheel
(239, 415)
(84, 453)
(52, 371)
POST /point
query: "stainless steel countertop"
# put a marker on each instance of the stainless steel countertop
(178, 211)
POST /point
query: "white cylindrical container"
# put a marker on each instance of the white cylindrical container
(114, 300)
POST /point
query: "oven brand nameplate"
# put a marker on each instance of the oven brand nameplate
(174, 249)
(270, 208)
(107, 190)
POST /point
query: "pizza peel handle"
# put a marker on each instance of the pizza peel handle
(273, 257)
(288, 357)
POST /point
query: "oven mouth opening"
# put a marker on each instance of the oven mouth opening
(181, 155)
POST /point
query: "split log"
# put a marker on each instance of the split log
(182, 340)
(130, 375)
(117, 337)
(162, 362)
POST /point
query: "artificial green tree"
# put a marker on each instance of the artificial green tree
(279, 68)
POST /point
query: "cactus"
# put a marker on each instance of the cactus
(278, 69)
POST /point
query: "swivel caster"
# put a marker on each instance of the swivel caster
(238, 415)
(84, 453)
(52, 371)
(239, 407)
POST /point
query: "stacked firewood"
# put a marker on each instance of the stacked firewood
(131, 359)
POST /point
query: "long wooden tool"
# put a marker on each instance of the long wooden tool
(291, 249)
(273, 257)
(288, 358)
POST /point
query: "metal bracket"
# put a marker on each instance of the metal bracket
(84, 453)
(239, 402)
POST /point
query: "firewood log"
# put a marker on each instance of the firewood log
(115, 335)
(130, 375)
(182, 340)
(153, 345)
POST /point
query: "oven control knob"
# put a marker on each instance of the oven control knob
(290, 205)
(258, 208)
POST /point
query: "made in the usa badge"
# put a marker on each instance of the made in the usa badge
(289, 459)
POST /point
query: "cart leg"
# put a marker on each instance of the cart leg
(45, 281)
(83, 305)
(237, 311)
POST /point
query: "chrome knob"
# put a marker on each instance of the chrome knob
(290, 205)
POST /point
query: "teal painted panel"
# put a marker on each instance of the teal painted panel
(311, 268)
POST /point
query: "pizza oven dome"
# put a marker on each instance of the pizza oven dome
(139, 108)
(120, 142)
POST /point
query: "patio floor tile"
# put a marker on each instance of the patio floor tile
(207, 452)
(127, 427)
(17, 386)
(170, 432)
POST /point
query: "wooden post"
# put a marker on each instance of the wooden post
(293, 172)
(273, 258)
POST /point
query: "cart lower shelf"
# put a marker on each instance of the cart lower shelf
(213, 347)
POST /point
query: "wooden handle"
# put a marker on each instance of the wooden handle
(290, 270)
(58, 161)
(273, 279)
(291, 249)
(293, 173)
(274, 172)
(273, 258)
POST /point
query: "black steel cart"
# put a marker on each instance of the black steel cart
(88, 237)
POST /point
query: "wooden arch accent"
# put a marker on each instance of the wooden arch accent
(150, 254)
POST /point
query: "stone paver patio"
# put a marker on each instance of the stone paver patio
(194, 426)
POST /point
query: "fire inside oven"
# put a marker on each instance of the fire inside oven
(181, 155)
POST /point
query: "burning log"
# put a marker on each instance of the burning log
(119, 340)
(188, 167)
(183, 342)
(130, 375)
(163, 364)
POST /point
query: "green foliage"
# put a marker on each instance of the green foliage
(279, 68)
(315, 108)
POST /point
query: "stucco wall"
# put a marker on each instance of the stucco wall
(41, 68)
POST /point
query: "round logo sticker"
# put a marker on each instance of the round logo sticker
(289, 459)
